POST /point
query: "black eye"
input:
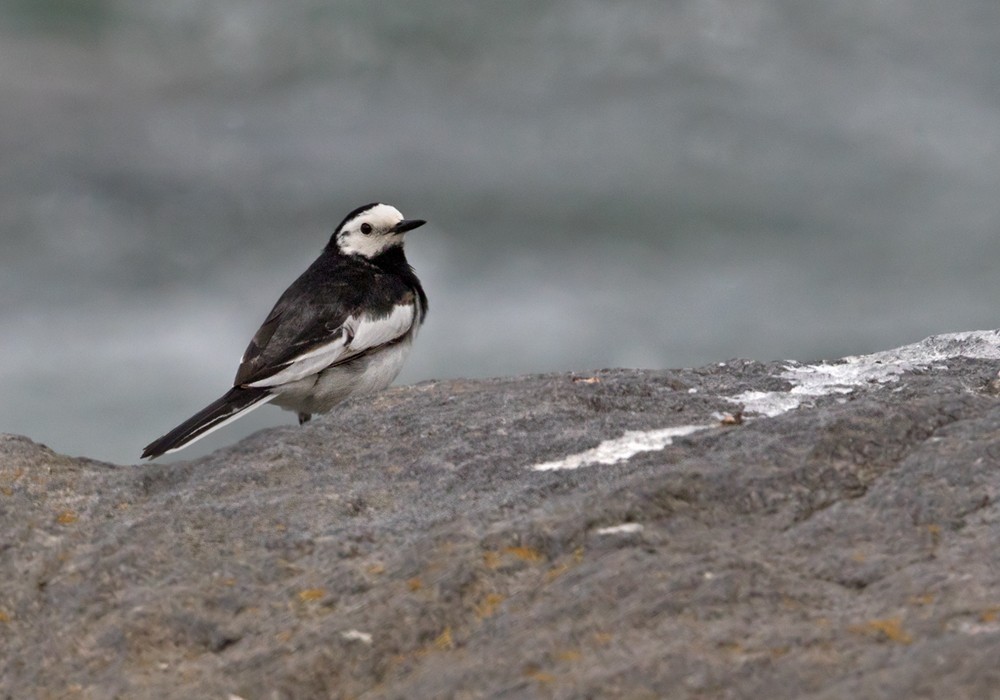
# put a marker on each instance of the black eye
(366, 229)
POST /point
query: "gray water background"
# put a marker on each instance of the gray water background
(641, 184)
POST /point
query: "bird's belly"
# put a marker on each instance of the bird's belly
(366, 375)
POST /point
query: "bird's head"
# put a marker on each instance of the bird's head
(371, 230)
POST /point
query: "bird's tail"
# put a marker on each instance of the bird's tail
(236, 402)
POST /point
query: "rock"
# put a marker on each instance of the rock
(617, 534)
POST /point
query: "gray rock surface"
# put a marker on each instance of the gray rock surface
(541, 536)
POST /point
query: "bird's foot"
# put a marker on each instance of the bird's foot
(304, 417)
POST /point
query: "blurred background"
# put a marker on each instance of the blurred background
(642, 184)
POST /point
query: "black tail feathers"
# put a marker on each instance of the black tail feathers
(218, 413)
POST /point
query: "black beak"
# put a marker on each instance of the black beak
(408, 225)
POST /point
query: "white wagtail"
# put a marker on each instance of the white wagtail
(342, 329)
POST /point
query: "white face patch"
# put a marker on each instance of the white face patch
(370, 233)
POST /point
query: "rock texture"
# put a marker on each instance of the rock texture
(620, 534)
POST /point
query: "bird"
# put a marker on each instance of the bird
(342, 329)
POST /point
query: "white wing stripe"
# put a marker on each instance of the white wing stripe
(364, 333)
(305, 365)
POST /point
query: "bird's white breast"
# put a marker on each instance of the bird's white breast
(366, 375)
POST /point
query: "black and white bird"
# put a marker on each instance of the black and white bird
(342, 329)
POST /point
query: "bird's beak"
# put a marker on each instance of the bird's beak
(408, 225)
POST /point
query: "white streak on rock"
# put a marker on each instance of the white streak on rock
(766, 403)
(355, 635)
(812, 381)
(623, 529)
(621, 449)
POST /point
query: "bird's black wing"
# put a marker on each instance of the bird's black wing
(330, 314)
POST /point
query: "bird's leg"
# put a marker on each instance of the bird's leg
(304, 417)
